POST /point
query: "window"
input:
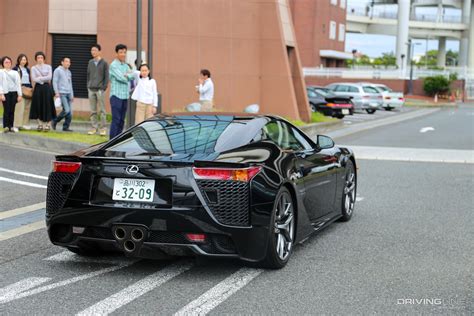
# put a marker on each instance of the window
(342, 32)
(343, 4)
(311, 93)
(341, 88)
(353, 89)
(332, 30)
(285, 136)
(334, 2)
(370, 90)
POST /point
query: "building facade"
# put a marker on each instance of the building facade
(320, 27)
(249, 46)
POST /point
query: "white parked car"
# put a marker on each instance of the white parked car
(391, 99)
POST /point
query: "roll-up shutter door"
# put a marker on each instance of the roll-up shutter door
(78, 48)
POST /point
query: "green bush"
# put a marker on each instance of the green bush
(436, 85)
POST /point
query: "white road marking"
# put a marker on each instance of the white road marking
(67, 256)
(29, 184)
(11, 291)
(359, 198)
(219, 293)
(31, 175)
(22, 210)
(426, 129)
(413, 154)
(21, 230)
(134, 291)
(6, 298)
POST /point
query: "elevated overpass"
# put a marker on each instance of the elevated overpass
(407, 23)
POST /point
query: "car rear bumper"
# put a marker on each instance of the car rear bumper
(164, 231)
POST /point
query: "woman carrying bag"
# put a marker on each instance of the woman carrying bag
(42, 104)
(11, 94)
(22, 110)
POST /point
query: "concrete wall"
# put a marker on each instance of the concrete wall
(242, 43)
(312, 25)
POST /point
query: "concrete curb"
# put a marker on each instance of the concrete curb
(364, 126)
(54, 146)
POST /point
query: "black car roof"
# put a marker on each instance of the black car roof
(213, 116)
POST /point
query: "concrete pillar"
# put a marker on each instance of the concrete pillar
(402, 32)
(471, 41)
(464, 42)
(441, 52)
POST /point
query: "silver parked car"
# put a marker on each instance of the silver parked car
(391, 99)
(363, 96)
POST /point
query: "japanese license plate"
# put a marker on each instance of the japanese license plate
(139, 190)
(345, 111)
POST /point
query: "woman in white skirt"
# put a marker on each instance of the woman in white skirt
(146, 95)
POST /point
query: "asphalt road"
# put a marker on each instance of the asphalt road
(409, 248)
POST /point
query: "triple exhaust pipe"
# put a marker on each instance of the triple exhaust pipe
(130, 238)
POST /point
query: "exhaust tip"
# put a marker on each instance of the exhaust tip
(129, 246)
(137, 234)
(119, 233)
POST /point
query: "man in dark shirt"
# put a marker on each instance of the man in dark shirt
(97, 81)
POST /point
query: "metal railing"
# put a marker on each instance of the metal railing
(386, 14)
(386, 73)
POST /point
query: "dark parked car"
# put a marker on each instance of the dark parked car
(324, 101)
(248, 187)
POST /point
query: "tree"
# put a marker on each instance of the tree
(387, 59)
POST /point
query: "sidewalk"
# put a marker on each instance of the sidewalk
(55, 143)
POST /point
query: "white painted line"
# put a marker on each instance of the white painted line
(45, 288)
(29, 184)
(359, 199)
(219, 293)
(11, 291)
(31, 175)
(67, 256)
(21, 230)
(134, 291)
(426, 129)
(22, 210)
(413, 154)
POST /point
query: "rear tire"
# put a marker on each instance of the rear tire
(281, 232)
(349, 192)
(340, 116)
(388, 108)
(370, 111)
(313, 107)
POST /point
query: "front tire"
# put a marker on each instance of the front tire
(281, 232)
(349, 192)
(371, 111)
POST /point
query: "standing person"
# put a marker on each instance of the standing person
(205, 90)
(22, 110)
(97, 81)
(120, 76)
(145, 94)
(42, 104)
(62, 84)
(11, 88)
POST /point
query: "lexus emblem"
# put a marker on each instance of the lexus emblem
(132, 169)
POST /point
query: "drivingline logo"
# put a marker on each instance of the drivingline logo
(430, 301)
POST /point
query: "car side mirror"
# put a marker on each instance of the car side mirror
(324, 142)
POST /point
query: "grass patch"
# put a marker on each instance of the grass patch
(316, 117)
(69, 137)
(1, 111)
(422, 103)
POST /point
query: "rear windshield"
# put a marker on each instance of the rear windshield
(185, 136)
(324, 92)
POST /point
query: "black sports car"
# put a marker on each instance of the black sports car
(325, 101)
(249, 187)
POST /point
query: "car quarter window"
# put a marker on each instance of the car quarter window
(353, 89)
(312, 94)
(341, 88)
(285, 136)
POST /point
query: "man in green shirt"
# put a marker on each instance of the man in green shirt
(120, 77)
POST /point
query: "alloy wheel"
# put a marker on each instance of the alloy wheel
(349, 192)
(284, 226)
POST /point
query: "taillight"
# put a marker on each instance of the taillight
(330, 104)
(196, 237)
(401, 99)
(66, 166)
(388, 98)
(240, 174)
(366, 97)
